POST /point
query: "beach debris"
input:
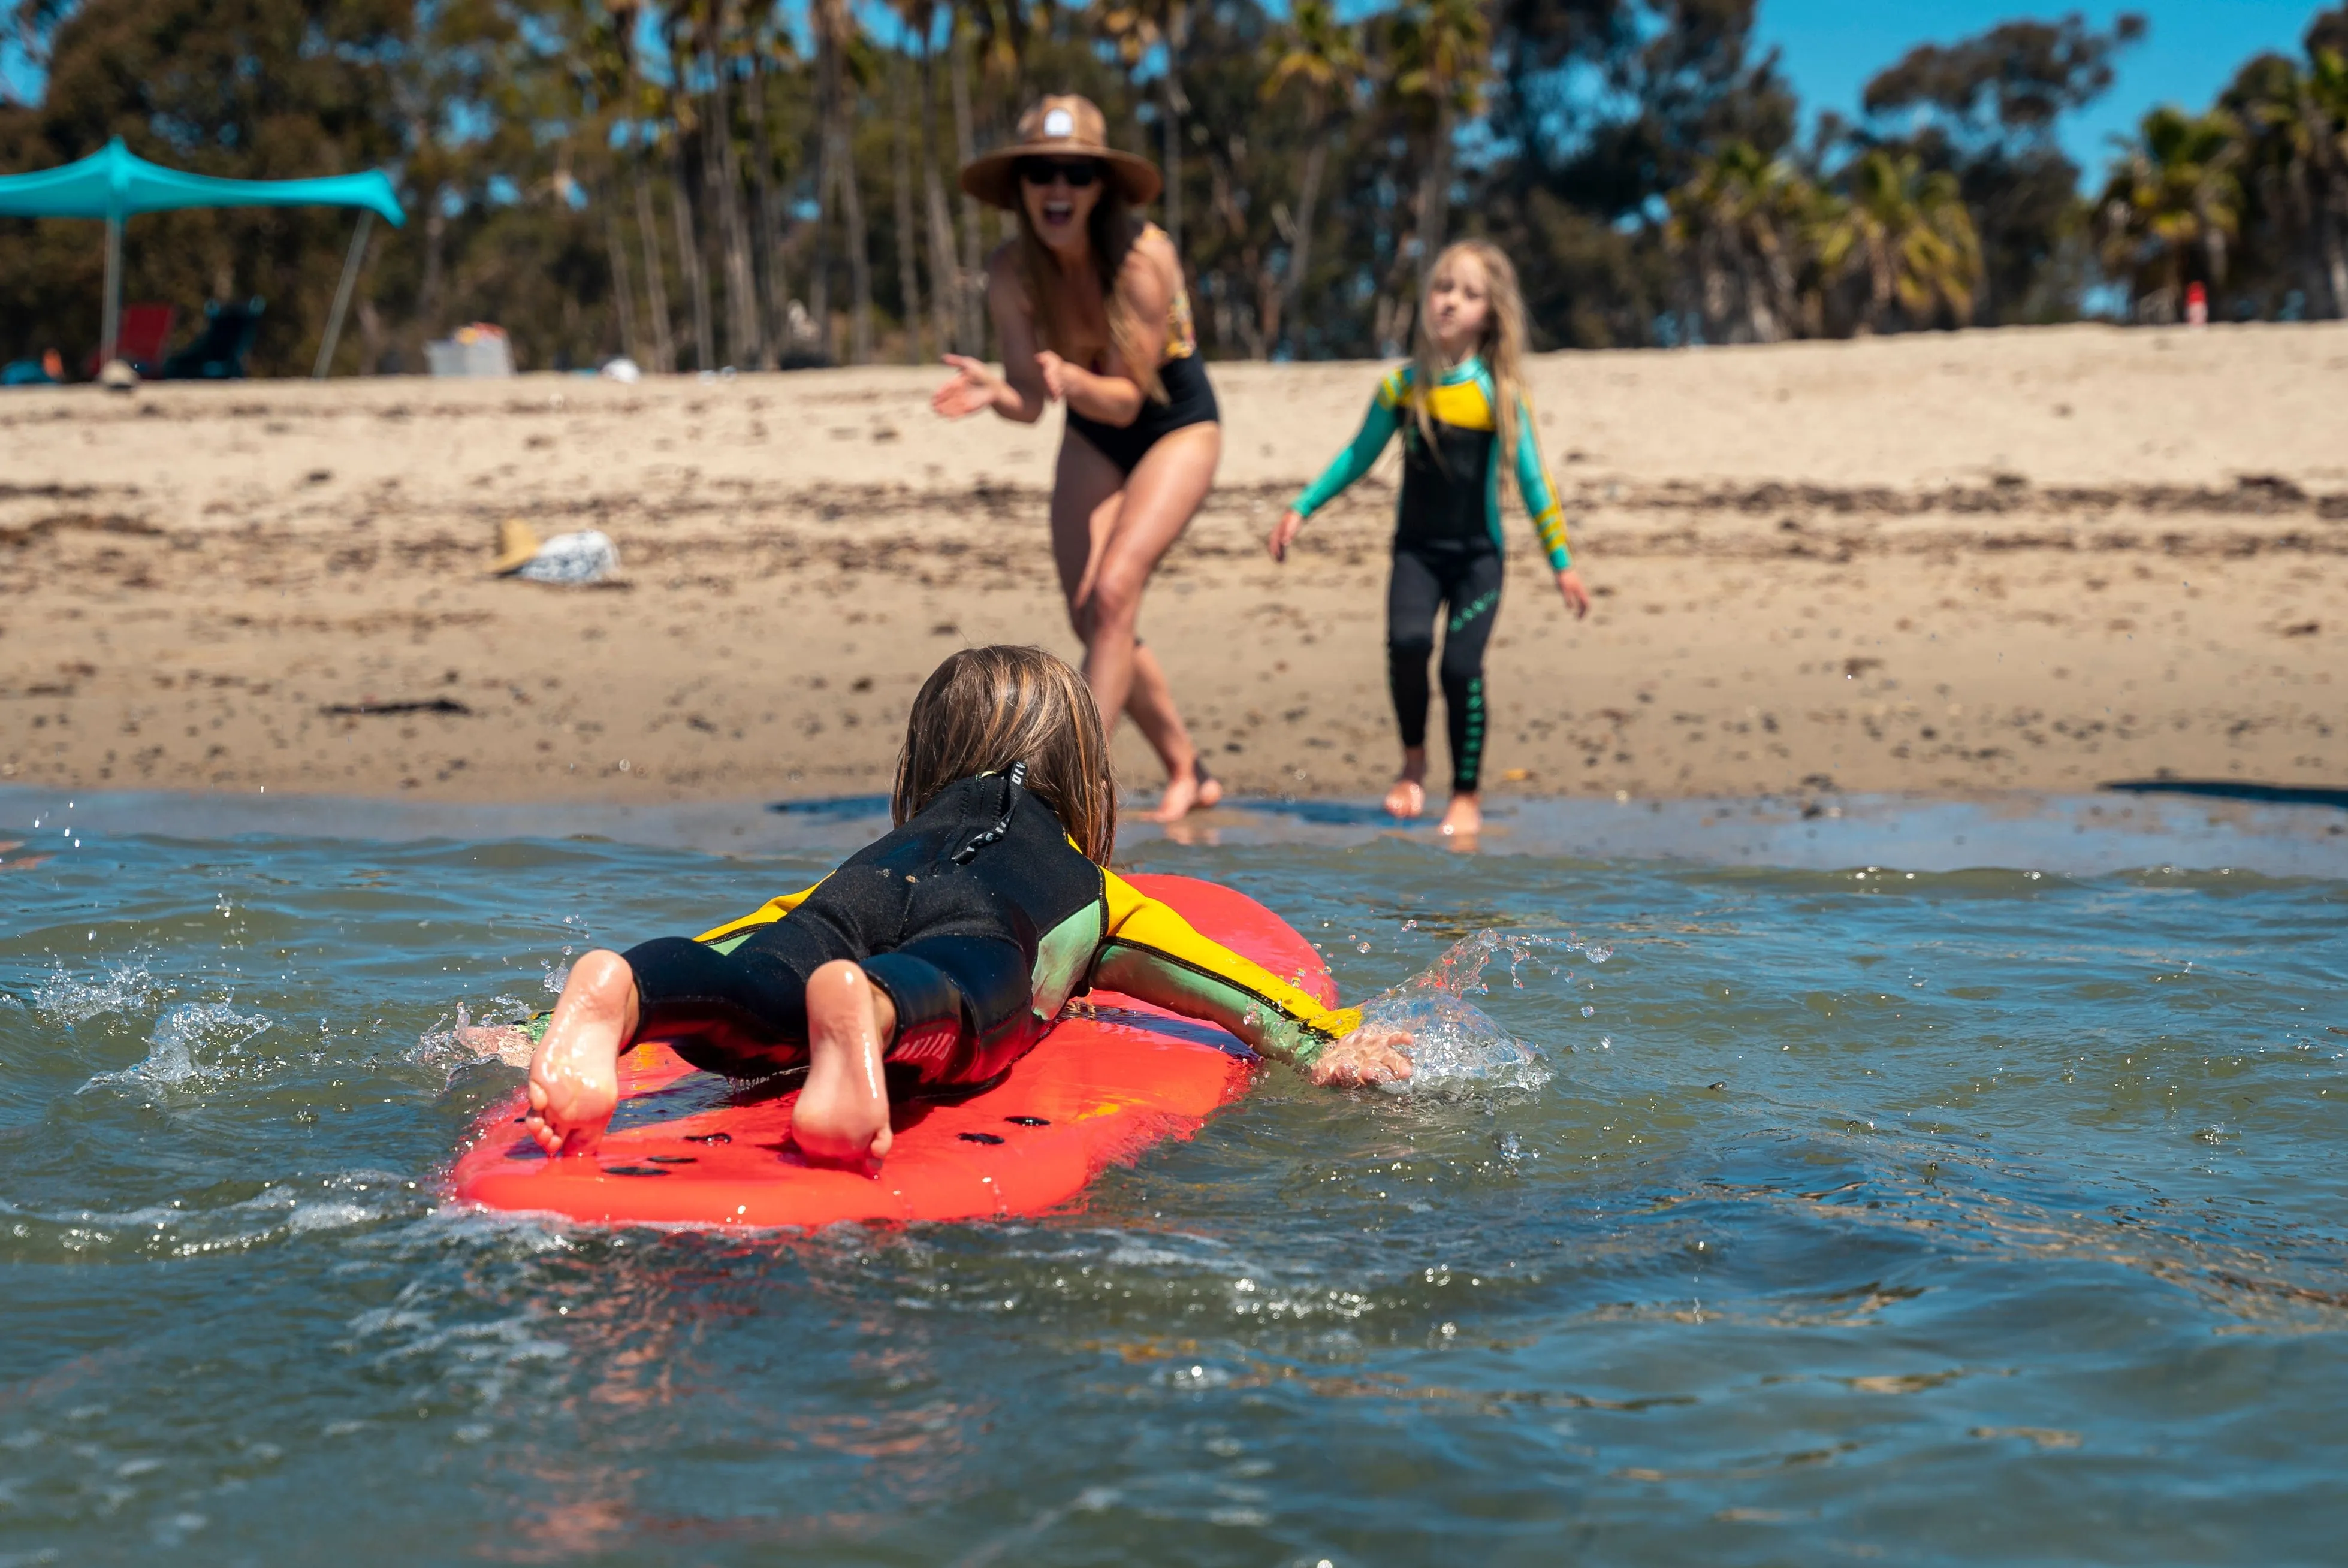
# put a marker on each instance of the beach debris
(448, 705)
(118, 376)
(622, 369)
(587, 555)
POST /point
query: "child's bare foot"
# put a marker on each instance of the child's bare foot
(1194, 789)
(842, 1116)
(1464, 818)
(574, 1076)
(1407, 797)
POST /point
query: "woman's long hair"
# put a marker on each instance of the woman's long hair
(1114, 230)
(986, 708)
(1501, 347)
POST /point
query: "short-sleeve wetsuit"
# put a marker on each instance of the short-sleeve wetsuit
(980, 919)
(1448, 542)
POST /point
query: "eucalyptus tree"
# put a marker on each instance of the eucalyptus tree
(1442, 52)
(2296, 154)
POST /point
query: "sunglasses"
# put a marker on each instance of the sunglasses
(1039, 172)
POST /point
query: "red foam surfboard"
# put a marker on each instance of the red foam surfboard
(1113, 1077)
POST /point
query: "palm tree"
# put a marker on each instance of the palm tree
(721, 169)
(1736, 225)
(2173, 194)
(1907, 234)
(835, 35)
(1137, 29)
(1443, 60)
(1322, 58)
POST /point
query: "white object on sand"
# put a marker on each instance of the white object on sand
(587, 555)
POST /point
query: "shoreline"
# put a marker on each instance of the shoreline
(2106, 833)
(1947, 564)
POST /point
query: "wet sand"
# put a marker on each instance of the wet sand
(1961, 564)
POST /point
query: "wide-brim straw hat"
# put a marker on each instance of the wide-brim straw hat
(1060, 126)
(517, 543)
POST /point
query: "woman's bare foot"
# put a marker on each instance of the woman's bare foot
(1407, 796)
(1464, 818)
(574, 1075)
(1193, 789)
(842, 1116)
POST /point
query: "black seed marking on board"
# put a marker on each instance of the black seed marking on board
(673, 1159)
(633, 1171)
(709, 1137)
(979, 1137)
(1028, 1121)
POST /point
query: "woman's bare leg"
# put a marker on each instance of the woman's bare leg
(1091, 505)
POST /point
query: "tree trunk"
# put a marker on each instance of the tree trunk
(901, 168)
(1170, 115)
(827, 181)
(946, 285)
(664, 343)
(967, 301)
(689, 256)
(1434, 187)
(775, 297)
(1299, 247)
(860, 259)
(722, 174)
(623, 289)
(2333, 259)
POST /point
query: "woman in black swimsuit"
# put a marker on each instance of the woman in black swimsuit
(1090, 310)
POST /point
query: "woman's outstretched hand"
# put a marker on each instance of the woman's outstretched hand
(1059, 375)
(1371, 1054)
(1570, 589)
(973, 389)
(1283, 534)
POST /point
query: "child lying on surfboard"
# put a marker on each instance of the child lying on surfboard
(934, 959)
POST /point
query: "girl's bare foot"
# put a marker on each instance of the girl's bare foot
(1193, 789)
(574, 1075)
(1407, 797)
(842, 1116)
(1464, 818)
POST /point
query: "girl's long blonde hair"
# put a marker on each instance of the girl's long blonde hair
(1501, 347)
(986, 708)
(1115, 229)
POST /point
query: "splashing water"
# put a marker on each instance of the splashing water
(1457, 1049)
(190, 1044)
(125, 988)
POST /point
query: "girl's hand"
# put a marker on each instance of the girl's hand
(1576, 597)
(1371, 1054)
(1059, 375)
(1283, 534)
(973, 389)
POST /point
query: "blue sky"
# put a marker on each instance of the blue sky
(1832, 47)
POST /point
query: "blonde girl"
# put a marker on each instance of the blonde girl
(1462, 409)
(934, 959)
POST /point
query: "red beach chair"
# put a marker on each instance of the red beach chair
(145, 333)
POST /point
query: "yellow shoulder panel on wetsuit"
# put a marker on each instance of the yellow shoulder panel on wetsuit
(1394, 388)
(765, 914)
(1153, 954)
(1462, 405)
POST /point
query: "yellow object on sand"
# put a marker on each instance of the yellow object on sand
(517, 543)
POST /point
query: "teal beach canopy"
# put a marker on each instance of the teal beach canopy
(116, 182)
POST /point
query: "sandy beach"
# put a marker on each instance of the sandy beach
(1953, 564)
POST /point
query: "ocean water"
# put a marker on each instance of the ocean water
(1985, 1207)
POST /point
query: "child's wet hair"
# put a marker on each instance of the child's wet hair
(986, 708)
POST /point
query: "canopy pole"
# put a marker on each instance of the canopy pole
(342, 295)
(112, 328)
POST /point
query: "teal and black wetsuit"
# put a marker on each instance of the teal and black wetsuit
(1446, 541)
(980, 919)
